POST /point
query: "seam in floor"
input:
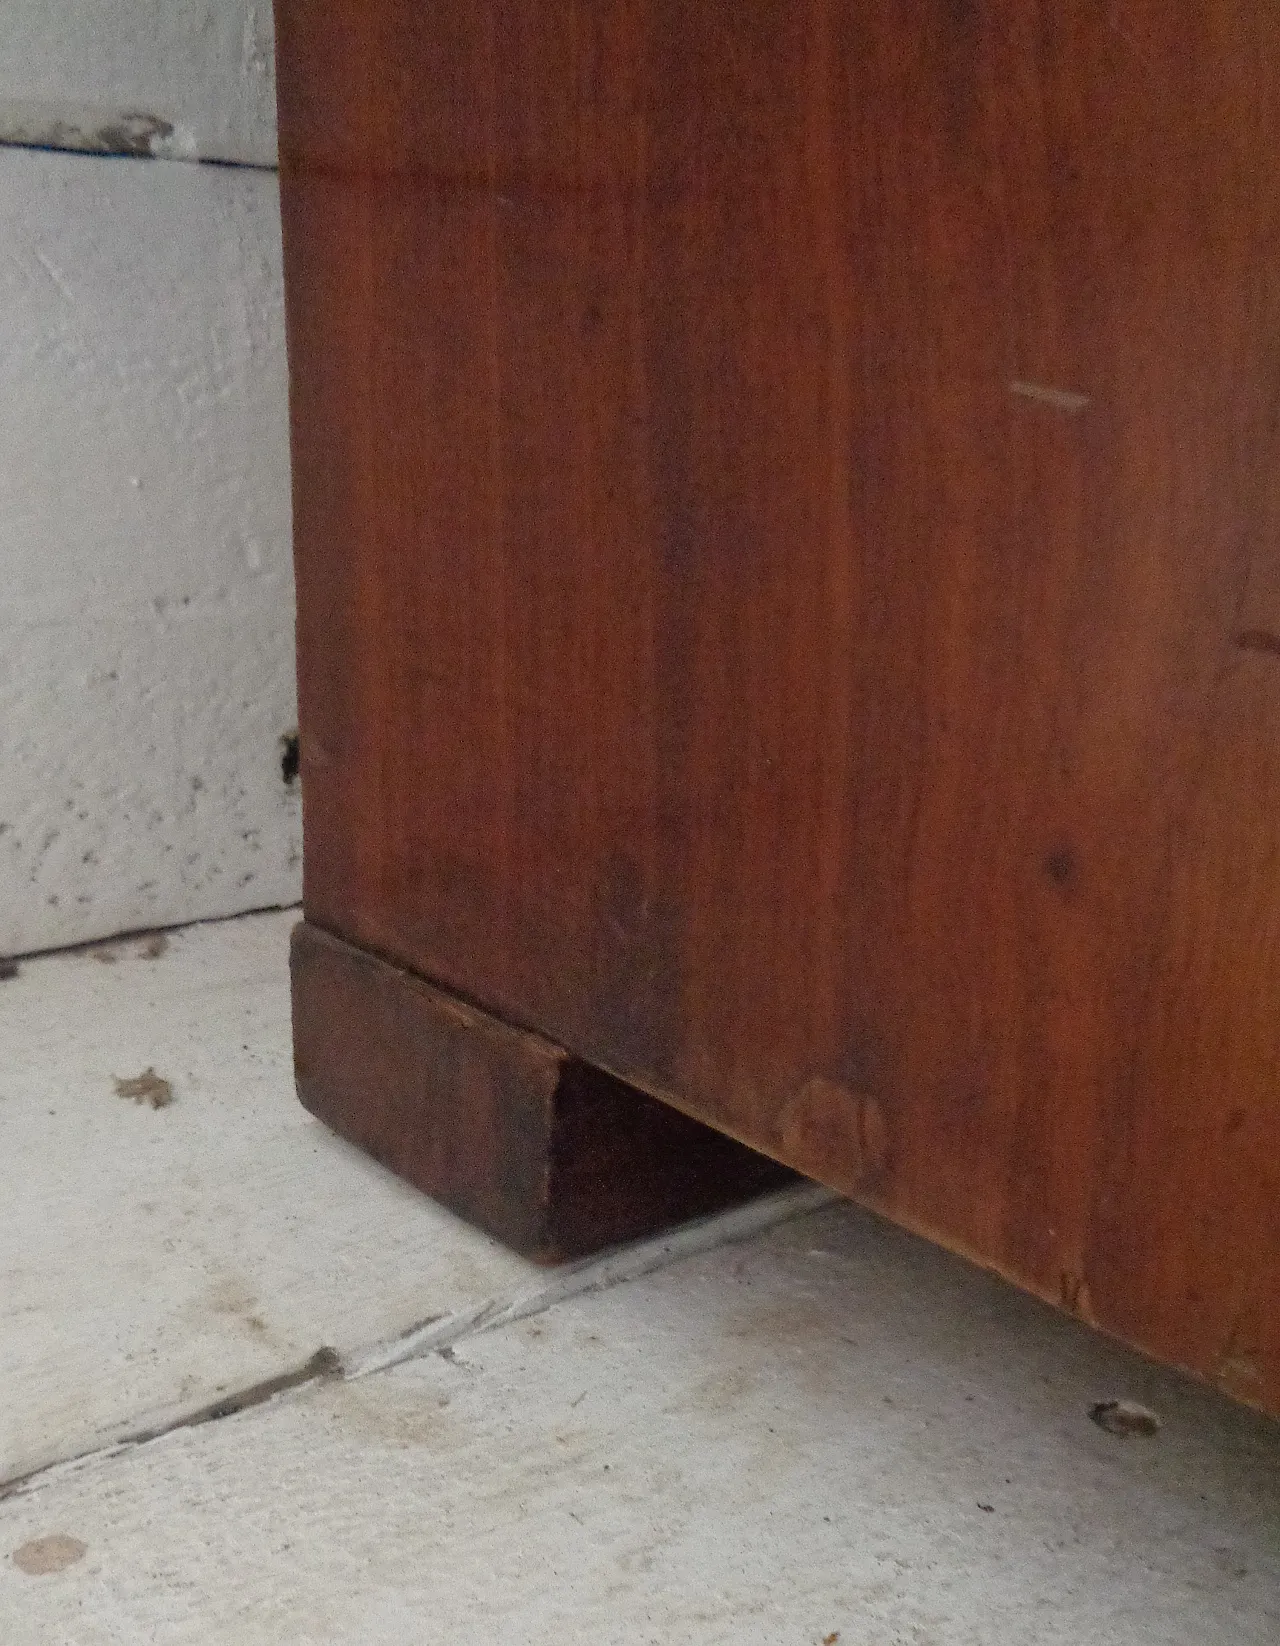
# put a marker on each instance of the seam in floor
(438, 1334)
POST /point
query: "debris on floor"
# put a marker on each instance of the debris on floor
(150, 946)
(1125, 1417)
(147, 1087)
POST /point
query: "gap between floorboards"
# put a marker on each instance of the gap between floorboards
(438, 1333)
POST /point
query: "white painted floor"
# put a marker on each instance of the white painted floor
(789, 1425)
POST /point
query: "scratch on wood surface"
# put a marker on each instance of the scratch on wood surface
(1068, 400)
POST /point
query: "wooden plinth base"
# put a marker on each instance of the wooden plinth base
(552, 1156)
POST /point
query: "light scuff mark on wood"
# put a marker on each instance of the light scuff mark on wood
(1067, 400)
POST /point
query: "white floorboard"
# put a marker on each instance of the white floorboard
(779, 1443)
(152, 1258)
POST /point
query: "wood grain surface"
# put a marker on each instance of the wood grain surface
(789, 606)
(552, 1156)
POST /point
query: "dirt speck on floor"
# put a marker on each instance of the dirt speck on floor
(1125, 1417)
(147, 1087)
(44, 1555)
(140, 945)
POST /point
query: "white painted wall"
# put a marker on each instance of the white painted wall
(202, 66)
(146, 618)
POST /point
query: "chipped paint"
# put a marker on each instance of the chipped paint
(94, 131)
(177, 80)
